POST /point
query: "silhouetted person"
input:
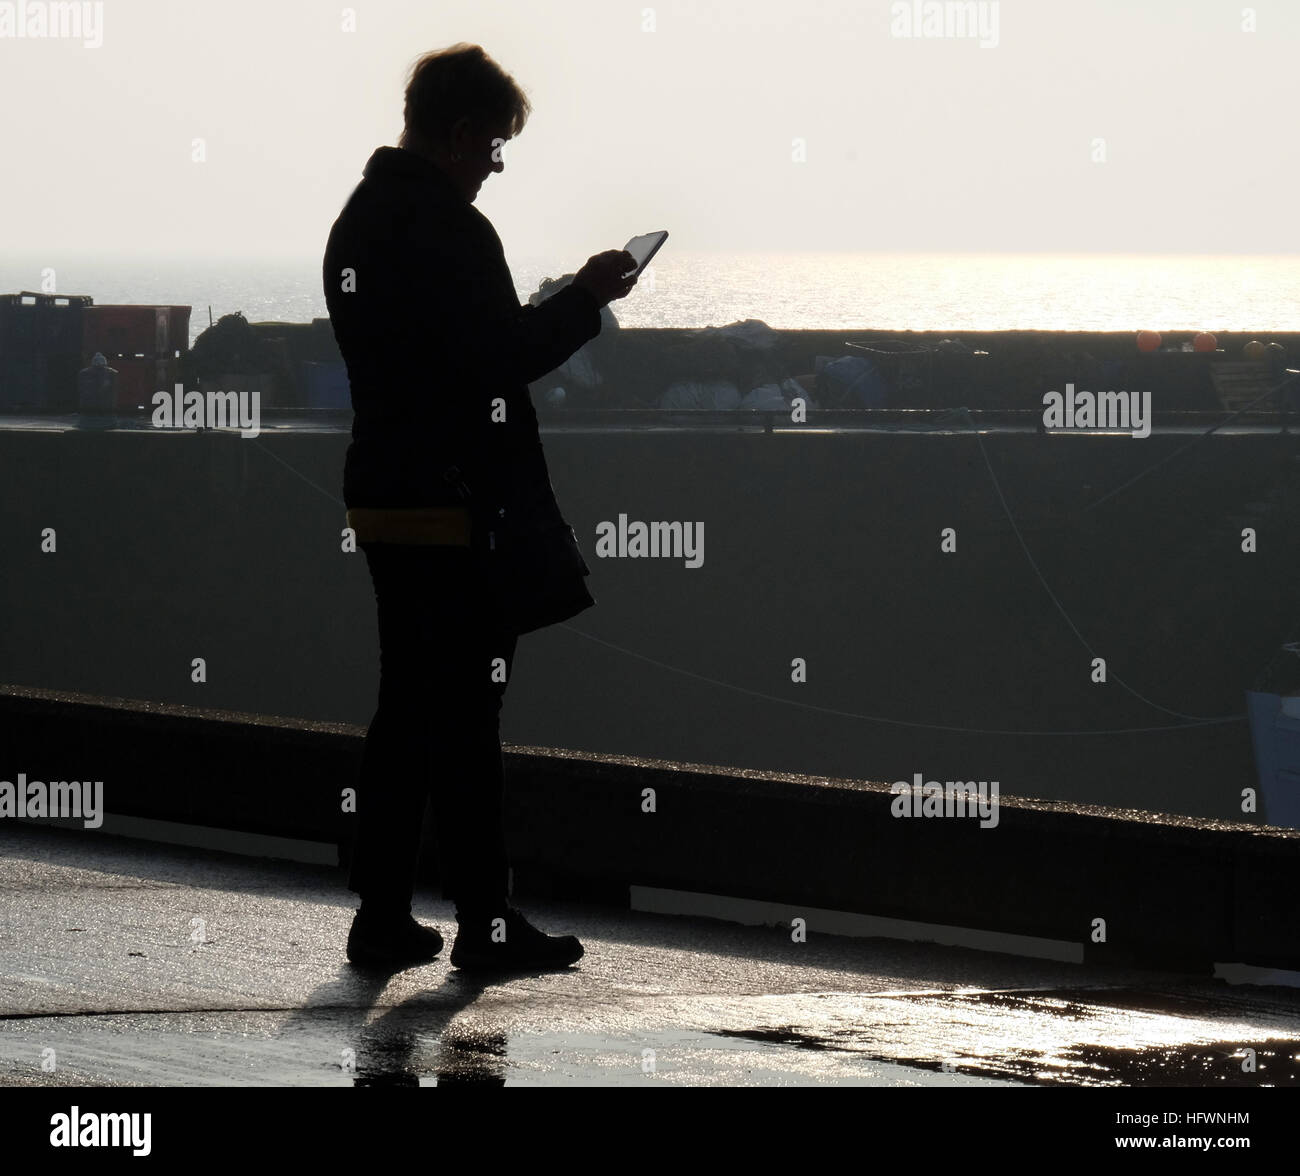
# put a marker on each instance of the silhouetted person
(428, 322)
(97, 394)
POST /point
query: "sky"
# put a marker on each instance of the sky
(1095, 126)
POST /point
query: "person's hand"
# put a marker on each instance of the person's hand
(605, 275)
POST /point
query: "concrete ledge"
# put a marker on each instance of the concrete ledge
(1173, 891)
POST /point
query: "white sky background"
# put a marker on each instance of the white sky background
(912, 144)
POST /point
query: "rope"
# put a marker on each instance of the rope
(1177, 452)
(823, 710)
(1197, 719)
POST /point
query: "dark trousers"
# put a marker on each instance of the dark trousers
(435, 736)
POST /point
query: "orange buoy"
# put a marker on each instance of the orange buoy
(1148, 340)
(1205, 342)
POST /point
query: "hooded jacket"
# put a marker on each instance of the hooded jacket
(439, 354)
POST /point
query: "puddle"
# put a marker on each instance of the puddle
(1075, 1037)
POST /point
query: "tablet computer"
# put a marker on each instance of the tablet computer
(643, 248)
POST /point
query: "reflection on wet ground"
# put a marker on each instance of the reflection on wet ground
(1125, 1038)
(521, 1035)
(105, 983)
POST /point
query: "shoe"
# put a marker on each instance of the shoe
(378, 941)
(517, 945)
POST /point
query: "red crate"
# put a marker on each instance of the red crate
(137, 381)
(145, 344)
(120, 332)
(178, 331)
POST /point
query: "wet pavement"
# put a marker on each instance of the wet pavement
(131, 963)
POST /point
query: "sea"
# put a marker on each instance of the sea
(808, 290)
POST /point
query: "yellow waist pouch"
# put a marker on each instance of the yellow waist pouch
(449, 525)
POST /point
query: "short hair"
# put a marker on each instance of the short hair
(460, 81)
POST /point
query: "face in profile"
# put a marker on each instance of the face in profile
(481, 155)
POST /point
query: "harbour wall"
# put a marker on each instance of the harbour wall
(824, 546)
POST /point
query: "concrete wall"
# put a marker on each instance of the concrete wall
(1172, 892)
(823, 546)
